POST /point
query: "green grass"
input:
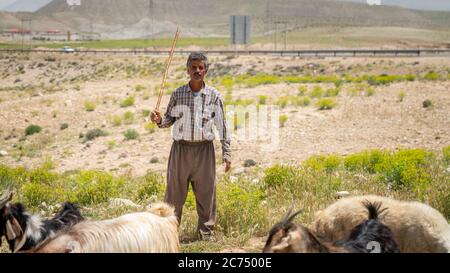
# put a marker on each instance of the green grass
(325, 104)
(246, 209)
(127, 102)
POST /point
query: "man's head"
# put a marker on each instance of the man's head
(197, 66)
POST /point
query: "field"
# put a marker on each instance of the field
(304, 38)
(75, 127)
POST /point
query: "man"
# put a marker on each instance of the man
(192, 109)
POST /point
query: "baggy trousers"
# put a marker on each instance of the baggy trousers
(193, 162)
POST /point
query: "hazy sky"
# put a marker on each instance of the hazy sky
(29, 5)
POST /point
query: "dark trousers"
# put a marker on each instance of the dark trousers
(193, 162)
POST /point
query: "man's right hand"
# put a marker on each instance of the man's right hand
(156, 117)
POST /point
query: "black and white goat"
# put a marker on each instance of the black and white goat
(25, 231)
(371, 235)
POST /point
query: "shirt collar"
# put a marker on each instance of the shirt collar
(201, 90)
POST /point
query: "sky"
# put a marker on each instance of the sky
(442, 5)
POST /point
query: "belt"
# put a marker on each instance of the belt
(193, 142)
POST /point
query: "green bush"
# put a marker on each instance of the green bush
(128, 117)
(325, 104)
(93, 134)
(278, 175)
(151, 185)
(446, 152)
(116, 120)
(283, 101)
(431, 76)
(151, 127)
(317, 92)
(427, 103)
(89, 106)
(282, 119)
(127, 102)
(33, 129)
(145, 113)
(241, 210)
(95, 187)
(406, 168)
(401, 96)
(302, 89)
(365, 161)
(139, 87)
(333, 92)
(329, 164)
(64, 126)
(131, 134)
(262, 99)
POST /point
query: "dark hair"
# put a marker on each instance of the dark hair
(197, 56)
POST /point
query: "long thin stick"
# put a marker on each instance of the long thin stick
(166, 70)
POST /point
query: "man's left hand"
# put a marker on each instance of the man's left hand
(227, 165)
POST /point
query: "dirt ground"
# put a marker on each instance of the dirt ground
(49, 93)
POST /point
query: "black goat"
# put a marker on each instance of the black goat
(24, 231)
(369, 236)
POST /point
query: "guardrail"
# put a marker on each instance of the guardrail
(299, 53)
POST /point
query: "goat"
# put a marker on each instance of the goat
(416, 227)
(152, 231)
(287, 237)
(24, 231)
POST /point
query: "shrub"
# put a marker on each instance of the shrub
(333, 92)
(94, 187)
(64, 126)
(406, 168)
(278, 175)
(145, 113)
(93, 134)
(317, 92)
(329, 164)
(151, 185)
(325, 104)
(128, 117)
(116, 120)
(364, 161)
(89, 106)
(127, 102)
(370, 91)
(401, 96)
(139, 88)
(283, 101)
(33, 129)
(262, 99)
(236, 198)
(151, 127)
(431, 76)
(131, 134)
(302, 89)
(282, 119)
(427, 103)
(446, 153)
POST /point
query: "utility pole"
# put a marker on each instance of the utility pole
(285, 23)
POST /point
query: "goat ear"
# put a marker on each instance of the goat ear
(284, 244)
(13, 229)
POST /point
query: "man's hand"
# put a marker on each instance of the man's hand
(227, 165)
(156, 117)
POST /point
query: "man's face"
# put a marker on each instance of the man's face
(197, 70)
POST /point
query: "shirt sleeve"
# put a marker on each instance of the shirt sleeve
(168, 120)
(220, 122)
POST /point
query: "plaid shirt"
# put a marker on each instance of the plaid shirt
(193, 116)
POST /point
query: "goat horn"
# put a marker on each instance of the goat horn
(6, 197)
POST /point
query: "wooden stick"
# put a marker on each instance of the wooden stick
(166, 70)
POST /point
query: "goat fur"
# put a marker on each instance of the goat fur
(155, 231)
(417, 228)
(287, 237)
